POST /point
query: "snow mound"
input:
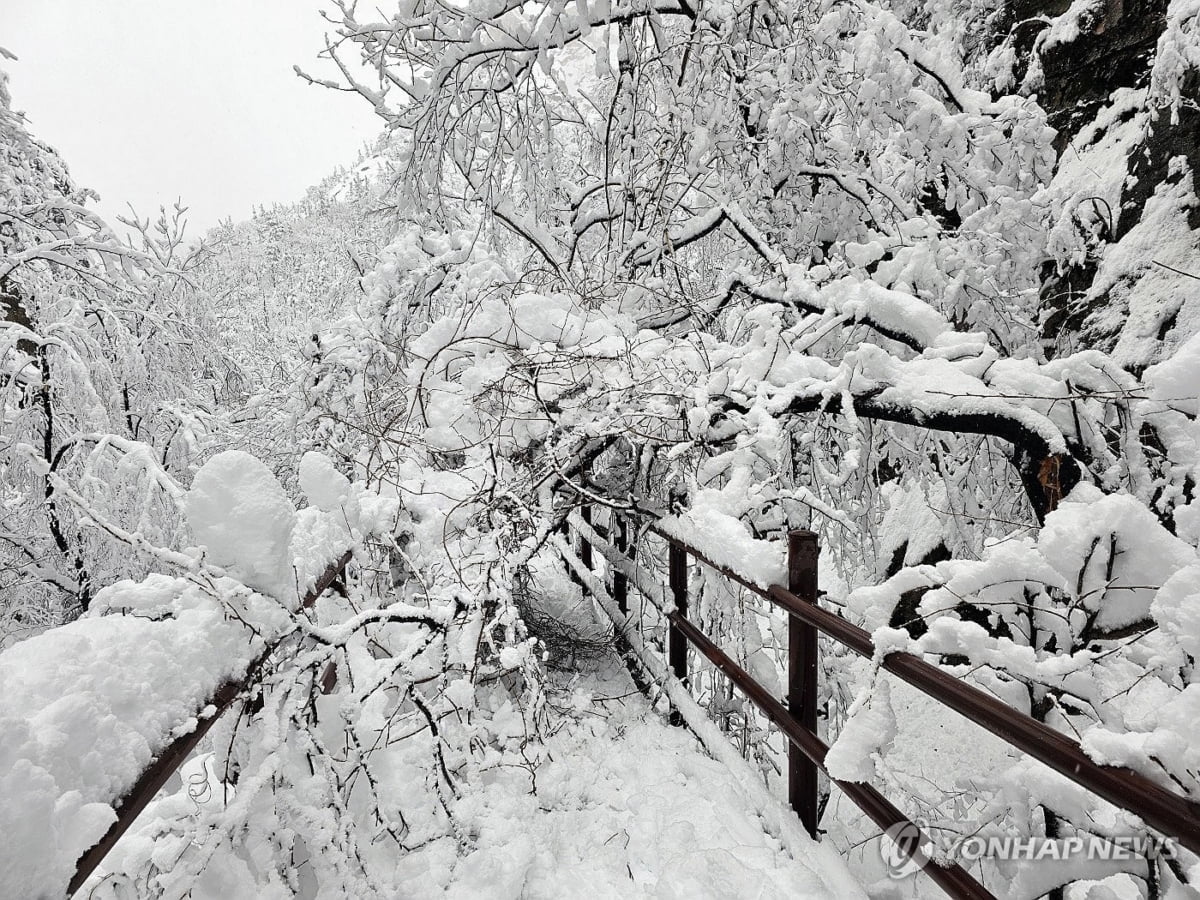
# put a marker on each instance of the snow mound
(240, 513)
(325, 487)
(1119, 590)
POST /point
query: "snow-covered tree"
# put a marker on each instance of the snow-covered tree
(101, 356)
(774, 266)
(892, 271)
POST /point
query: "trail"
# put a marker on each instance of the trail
(626, 806)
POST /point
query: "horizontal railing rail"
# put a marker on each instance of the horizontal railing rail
(163, 766)
(1158, 807)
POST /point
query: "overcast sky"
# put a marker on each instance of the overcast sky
(149, 100)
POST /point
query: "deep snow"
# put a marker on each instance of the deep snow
(625, 806)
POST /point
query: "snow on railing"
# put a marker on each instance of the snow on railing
(1175, 816)
(175, 753)
(96, 715)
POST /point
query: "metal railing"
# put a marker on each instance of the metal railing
(1158, 807)
(160, 769)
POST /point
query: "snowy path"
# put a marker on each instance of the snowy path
(627, 806)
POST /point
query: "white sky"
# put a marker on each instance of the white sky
(150, 100)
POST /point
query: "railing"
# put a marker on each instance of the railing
(176, 753)
(1161, 809)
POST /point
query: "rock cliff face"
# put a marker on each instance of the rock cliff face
(1124, 103)
(1085, 52)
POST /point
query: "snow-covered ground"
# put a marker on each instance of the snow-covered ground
(625, 806)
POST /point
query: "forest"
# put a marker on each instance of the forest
(919, 276)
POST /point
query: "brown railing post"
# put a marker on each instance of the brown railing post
(620, 579)
(564, 528)
(676, 640)
(802, 675)
(585, 546)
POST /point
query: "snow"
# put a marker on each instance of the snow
(239, 512)
(85, 707)
(896, 310)
(614, 803)
(1091, 173)
(1169, 737)
(866, 736)
(1176, 607)
(778, 819)
(712, 525)
(1175, 382)
(862, 299)
(325, 487)
(1119, 581)
(1106, 559)
(625, 806)
(1177, 55)
(932, 746)
(862, 255)
(1135, 282)
(743, 366)
(1067, 27)
(910, 523)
